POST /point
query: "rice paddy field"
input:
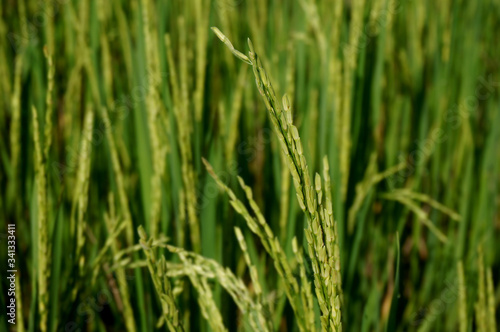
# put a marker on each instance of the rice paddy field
(266, 165)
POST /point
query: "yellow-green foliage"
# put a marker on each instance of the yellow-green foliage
(42, 225)
(383, 114)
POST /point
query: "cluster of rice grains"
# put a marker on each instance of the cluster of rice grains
(321, 233)
(200, 271)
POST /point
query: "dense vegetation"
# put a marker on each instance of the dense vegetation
(306, 165)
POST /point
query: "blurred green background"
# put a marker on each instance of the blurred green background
(107, 108)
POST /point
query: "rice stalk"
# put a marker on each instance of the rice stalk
(254, 276)
(42, 215)
(5, 69)
(235, 111)
(462, 298)
(112, 222)
(224, 21)
(21, 6)
(19, 300)
(419, 213)
(285, 198)
(490, 290)
(170, 313)
(108, 73)
(158, 153)
(119, 178)
(80, 195)
(119, 258)
(259, 227)
(363, 188)
(305, 285)
(48, 104)
(206, 301)
(427, 199)
(335, 77)
(125, 42)
(321, 231)
(485, 304)
(199, 268)
(184, 129)
(49, 27)
(202, 268)
(481, 305)
(15, 131)
(351, 53)
(114, 230)
(201, 9)
(311, 10)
